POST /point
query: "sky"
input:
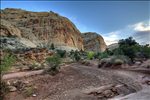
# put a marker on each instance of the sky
(113, 20)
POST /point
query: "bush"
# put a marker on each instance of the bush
(120, 59)
(105, 62)
(113, 60)
(61, 53)
(146, 51)
(118, 51)
(85, 62)
(53, 62)
(7, 61)
(118, 62)
(103, 55)
(77, 56)
(90, 55)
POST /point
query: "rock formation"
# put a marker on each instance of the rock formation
(93, 42)
(40, 28)
(113, 46)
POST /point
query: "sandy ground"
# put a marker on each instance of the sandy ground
(75, 78)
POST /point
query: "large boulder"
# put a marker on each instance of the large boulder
(93, 42)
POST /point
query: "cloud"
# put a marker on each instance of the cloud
(142, 37)
(111, 37)
(142, 32)
(141, 26)
(139, 31)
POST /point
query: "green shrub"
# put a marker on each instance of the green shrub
(129, 47)
(7, 61)
(61, 53)
(118, 62)
(105, 62)
(90, 55)
(97, 55)
(85, 62)
(77, 56)
(120, 59)
(104, 55)
(146, 51)
(53, 62)
(118, 51)
(114, 60)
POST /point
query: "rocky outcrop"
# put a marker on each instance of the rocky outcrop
(93, 42)
(41, 28)
(113, 46)
(15, 43)
(9, 30)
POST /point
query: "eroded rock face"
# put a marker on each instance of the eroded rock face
(9, 30)
(41, 28)
(93, 42)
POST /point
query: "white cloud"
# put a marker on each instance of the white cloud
(141, 26)
(111, 37)
(140, 31)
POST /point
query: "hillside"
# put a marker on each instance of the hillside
(40, 28)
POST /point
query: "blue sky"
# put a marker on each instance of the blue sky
(111, 19)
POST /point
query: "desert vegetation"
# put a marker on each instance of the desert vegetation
(6, 62)
(54, 64)
(128, 53)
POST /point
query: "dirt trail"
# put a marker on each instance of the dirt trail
(140, 77)
(21, 74)
(75, 78)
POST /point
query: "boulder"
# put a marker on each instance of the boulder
(12, 88)
(93, 42)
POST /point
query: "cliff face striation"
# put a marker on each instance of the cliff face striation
(40, 28)
(93, 42)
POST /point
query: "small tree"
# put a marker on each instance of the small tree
(54, 62)
(129, 41)
(128, 47)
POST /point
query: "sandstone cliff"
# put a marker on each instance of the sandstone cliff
(41, 28)
(93, 42)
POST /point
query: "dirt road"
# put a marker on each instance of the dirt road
(70, 83)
